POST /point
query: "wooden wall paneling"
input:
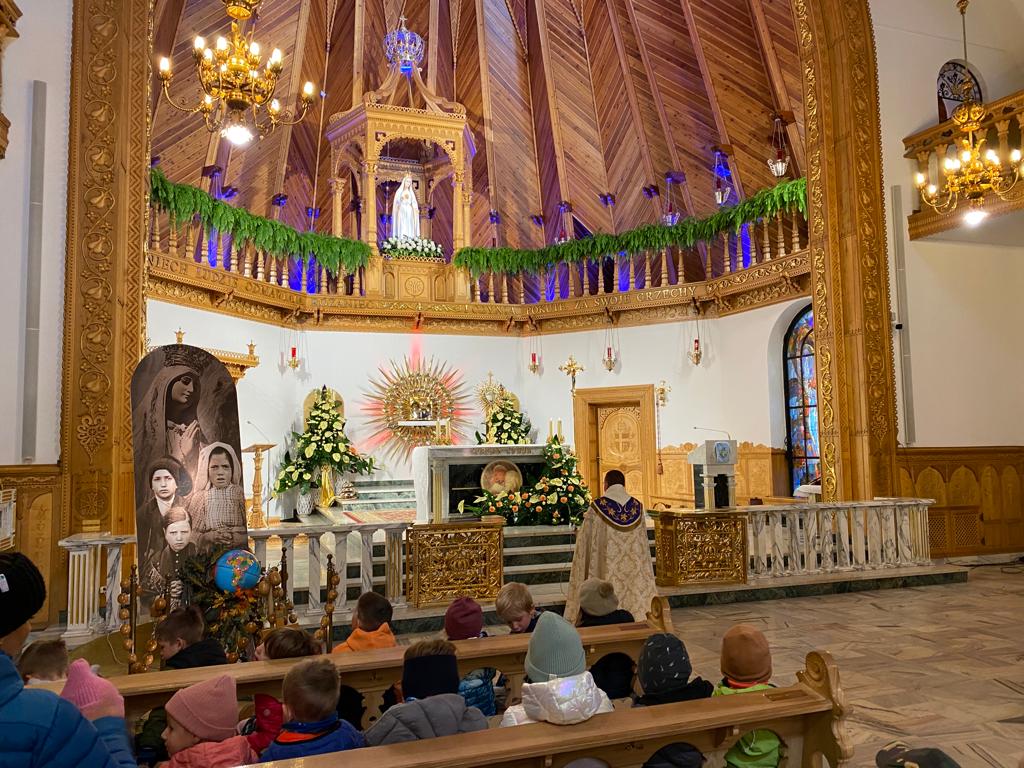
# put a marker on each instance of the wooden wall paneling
(38, 528)
(547, 143)
(511, 140)
(441, 226)
(375, 27)
(785, 91)
(358, 51)
(627, 158)
(472, 93)
(444, 76)
(676, 80)
(576, 122)
(761, 472)
(166, 18)
(726, 42)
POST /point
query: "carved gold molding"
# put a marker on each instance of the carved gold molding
(192, 284)
(9, 15)
(445, 561)
(849, 262)
(236, 362)
(694, 547)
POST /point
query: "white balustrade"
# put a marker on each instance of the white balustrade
(884, 533)
(310, 535)
(94, 567)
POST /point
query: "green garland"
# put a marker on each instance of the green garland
(183, 202)
(784, 196)
(323, 444)
(559, 497)
(507, 426)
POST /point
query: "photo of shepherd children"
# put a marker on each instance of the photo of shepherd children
(217, 506)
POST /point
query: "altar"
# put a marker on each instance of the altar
(446, 475)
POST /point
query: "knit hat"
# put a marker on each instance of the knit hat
(597, 597)
(464, 619)
(87, 691)
(208, 710)
(664, 665)
(897, 755)
(425, 676)
(746, 657)
(555, 650)
(22, 591)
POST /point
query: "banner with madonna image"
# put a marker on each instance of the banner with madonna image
(189, 496)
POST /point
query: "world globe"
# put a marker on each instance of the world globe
(236, 570)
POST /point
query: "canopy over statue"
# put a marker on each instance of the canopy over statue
(405, 210)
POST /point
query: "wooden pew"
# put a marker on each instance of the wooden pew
(373, 672)
(808, 717)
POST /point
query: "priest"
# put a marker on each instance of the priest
(612, 545)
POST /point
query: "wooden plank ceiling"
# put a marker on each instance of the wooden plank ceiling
(568, 100)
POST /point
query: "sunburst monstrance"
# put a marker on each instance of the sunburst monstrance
(414, 401)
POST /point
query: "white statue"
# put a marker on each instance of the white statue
(405, 211)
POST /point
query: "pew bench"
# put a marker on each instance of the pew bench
(373, 672)
(808, 717)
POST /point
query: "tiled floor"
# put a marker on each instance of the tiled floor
(940, 666)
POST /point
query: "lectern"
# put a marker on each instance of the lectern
(714, 470)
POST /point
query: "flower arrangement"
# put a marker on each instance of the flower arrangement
(507, 425)
(559, 497)
(405, 247)
(323, 444)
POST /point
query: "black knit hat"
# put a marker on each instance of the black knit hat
(664, 664)
(424, 676)
(22, 591)
(897, 754)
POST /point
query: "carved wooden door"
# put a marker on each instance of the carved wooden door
(619, 446)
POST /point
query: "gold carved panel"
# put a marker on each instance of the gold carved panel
(700, 547)
(761, 472)
(449, 560)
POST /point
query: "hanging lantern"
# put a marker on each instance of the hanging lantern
(722, 188)
(778, 163)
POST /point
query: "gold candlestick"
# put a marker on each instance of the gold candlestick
(256, 517)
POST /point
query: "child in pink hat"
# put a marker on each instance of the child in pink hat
(201, 727)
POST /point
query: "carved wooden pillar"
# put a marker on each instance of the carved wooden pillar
(104, 331)
(849, 266)
(373, 275)
(458, 214)
(337, 209)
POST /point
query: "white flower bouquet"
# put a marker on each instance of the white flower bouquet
(416, 248)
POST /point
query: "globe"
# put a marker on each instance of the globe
(236, 570)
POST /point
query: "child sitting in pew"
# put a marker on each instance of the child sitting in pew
(371, 630)
(430, 681)
(200, 732)
(464, 620)
(514, 605)
(599, 606)
(747, 666)
(44, 661)
(181, 644)
(310, 693)
(281, 643)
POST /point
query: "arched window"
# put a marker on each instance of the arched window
(955, 79)
(801, 400)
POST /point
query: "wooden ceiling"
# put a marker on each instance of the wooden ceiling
(567, 99)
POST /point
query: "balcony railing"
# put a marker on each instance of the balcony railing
(1003, 130)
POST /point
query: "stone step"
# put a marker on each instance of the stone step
(406, 494)
(371, 504)
(371, 484)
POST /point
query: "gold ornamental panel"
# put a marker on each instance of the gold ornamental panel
(449, 560)
(694, 547)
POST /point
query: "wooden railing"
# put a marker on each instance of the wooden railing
(757, 243)
(809, 718)
(1003, 130)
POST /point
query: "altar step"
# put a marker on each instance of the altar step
(375, 495)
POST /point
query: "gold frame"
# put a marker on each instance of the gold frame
(106, 269)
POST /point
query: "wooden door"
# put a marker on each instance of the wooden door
(620, 446)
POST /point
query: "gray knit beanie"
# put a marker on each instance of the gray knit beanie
(555, 650)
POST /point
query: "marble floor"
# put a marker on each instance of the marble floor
(932, 666)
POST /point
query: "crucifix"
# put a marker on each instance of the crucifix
(570, 368)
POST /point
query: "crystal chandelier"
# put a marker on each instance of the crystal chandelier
(722, 188)
(403, 48)
(238, 95)
(974, 170)
(778, 163)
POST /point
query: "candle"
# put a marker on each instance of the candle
(551, 428)
(608, 353)
(559, 429)
(293, 353)
(533, 358)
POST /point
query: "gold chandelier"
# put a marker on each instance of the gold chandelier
(973, 171)
(238, 95)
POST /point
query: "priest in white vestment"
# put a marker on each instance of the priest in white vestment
(405, 211)
(612, 544)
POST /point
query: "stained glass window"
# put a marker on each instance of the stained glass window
(802, 400)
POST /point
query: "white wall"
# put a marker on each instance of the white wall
(738, 386)
(963, 313)
(43, 24)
